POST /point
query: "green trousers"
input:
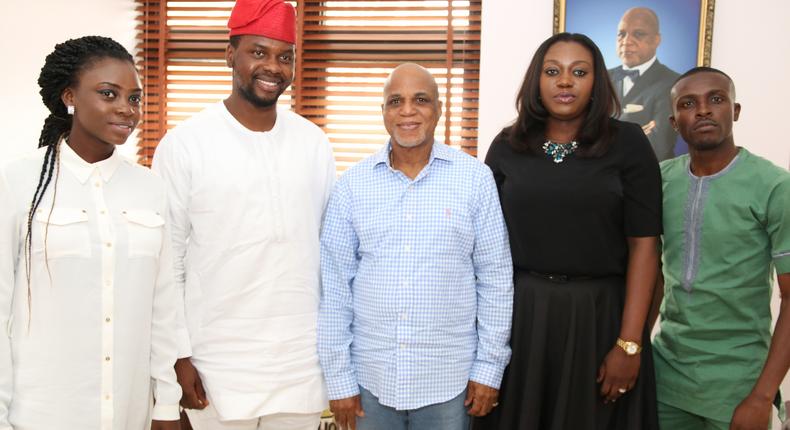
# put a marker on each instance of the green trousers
(672, 418)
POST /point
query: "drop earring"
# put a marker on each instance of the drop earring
(70, 109)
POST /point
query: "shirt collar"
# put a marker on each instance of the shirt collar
(83, 170)
(721, 172)
(438, 150)
(642, 67)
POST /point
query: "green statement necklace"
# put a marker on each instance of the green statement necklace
(558, 151)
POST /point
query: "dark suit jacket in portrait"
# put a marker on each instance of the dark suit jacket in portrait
(648, 100)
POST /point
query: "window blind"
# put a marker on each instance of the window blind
(345, 49)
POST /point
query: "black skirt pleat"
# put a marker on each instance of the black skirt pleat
(561, 334)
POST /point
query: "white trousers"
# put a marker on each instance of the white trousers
(206, 419)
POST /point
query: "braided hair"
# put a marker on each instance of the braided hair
(61, 70)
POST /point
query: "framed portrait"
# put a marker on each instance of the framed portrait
(646, 45)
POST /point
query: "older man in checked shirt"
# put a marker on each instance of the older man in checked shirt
(417, 294)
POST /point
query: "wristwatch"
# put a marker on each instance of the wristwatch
(630, 348)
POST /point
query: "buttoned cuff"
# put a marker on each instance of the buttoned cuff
(487, 374)
(166, 412)
(341, 387)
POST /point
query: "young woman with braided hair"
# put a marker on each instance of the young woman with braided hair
(87, 316)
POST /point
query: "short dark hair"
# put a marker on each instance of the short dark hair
(702, 69)
(234, 40)
(527, 132)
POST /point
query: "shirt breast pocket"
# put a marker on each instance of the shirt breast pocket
(456, 230)
(63, 232)
(145, 231)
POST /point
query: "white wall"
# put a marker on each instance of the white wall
(28, 32)
(757, 59)
(511, 32)
(749, 44)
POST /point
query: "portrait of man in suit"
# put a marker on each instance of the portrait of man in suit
(642, 82)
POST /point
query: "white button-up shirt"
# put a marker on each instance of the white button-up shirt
(245, 209)
(97, 335)
(629, 83)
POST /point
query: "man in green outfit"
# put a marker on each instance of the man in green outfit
(726, 227)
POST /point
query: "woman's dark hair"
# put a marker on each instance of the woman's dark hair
(528, 131)
(61, 70)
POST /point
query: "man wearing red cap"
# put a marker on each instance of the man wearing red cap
(248, 184)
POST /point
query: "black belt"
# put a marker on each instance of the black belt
(560, 279)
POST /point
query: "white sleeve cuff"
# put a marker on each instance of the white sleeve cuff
(165, 413)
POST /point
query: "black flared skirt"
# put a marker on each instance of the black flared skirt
(561, 333)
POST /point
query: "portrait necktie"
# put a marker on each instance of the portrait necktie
(620, 77)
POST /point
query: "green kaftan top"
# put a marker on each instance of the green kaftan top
(723, 236)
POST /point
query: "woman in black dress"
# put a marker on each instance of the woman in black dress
(581, 194)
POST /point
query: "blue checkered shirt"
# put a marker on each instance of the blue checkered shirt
(417, 281)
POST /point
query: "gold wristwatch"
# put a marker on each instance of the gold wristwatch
(630, 348)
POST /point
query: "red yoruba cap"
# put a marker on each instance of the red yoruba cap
(274, 19)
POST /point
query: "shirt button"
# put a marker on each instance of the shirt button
(403, 316)
(403, 346)
(97, 184)
(102, 211)
(109, 244)
(407, 248)
(106, 397)
(107, 358)
(107, 319)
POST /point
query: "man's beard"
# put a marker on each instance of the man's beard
(248, 92)
(403, 143)
(408, 144)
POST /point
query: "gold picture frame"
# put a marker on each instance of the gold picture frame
(704, 40)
